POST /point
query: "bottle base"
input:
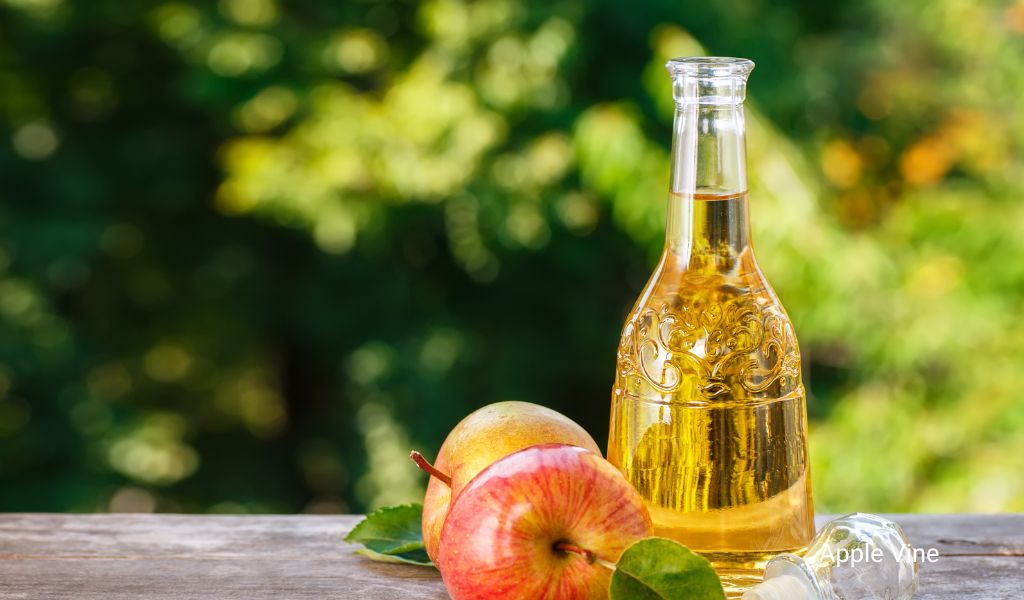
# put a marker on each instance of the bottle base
(740, 571)
(737, 584)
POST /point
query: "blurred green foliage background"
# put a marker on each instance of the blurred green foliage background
(253, 251)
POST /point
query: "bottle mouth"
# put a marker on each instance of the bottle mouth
(710, 66)
(709, 80)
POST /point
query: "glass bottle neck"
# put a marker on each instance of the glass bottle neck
(708, 225)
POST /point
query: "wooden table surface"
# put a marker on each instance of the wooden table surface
(165, 557)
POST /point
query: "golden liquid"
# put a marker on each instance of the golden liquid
(708, 410)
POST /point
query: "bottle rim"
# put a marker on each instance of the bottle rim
(710, 66)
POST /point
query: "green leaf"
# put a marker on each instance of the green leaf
(661, 569)
(418, 557)
(392, 534)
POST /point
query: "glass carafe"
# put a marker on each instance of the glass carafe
(708, 416)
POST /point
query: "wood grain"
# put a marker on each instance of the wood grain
(172, 557)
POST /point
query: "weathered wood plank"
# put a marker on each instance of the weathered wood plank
(981, 556)
(172, 557)
(969, 535)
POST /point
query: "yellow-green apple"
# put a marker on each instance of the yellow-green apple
(543, 523)
(483, 437)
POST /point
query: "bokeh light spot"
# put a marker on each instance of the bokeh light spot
(357, 50)
(154, 451)
(268, 109)
(36, 140)
(841, 163)
(926, 161)
(167, 363)
(235, 54)
(253, 13)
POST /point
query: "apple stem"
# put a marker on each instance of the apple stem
(425, 465)
(574, 549)
(587, 555)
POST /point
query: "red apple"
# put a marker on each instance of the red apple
(487, 434)
(540, 524)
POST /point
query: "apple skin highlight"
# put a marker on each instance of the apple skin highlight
(499, 540)
(483, 437)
